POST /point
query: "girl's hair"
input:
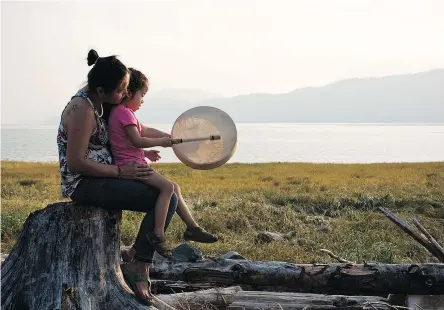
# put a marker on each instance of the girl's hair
(138, 80)
(107, 72)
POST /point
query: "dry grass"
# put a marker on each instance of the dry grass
(331, 206)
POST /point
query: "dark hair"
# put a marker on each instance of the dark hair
(137, 80)
(107, 72)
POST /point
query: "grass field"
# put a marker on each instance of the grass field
(331, 206)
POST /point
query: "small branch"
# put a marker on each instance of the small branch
(432, 240)
(410, 231)
(339, 259)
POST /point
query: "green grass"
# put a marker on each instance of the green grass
(331, 206)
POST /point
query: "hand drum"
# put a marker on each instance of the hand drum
(205, 137)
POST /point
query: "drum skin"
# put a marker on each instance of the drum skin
(199, 122)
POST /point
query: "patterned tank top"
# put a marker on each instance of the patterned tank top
(99, 137)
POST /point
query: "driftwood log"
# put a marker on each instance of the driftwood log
(346, 279)
(235, 298)
(67, 257)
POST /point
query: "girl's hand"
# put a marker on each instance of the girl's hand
(152, 155)
(165, 142)
(135, 171)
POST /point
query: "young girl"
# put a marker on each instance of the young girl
(128, 137)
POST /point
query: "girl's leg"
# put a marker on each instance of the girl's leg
(182, 209)
(193, 232)
(166, 190)
(142, 251)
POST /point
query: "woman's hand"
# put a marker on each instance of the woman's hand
(135, 171)
(152, 155)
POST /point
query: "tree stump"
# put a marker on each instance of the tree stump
(67, 257)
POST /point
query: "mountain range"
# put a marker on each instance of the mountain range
(408, 98)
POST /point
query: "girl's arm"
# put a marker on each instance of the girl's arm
(140, 141)
(153, 133)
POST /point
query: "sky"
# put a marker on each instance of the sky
(228, 47)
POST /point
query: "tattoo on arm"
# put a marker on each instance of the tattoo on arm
(73, 108)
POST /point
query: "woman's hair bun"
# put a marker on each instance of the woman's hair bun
(92, 57)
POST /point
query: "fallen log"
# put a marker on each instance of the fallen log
(345, 279)
(67, 257)
(235, 298)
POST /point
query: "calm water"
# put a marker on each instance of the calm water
(320, 143)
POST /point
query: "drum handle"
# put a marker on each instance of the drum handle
(211, 137)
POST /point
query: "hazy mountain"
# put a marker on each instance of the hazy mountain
(402, 98)
(190, 95)
(163, 110)
(413, 98)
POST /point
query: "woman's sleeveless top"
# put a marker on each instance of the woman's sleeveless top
(70, 180)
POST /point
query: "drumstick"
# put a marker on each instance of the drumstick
(211, 137)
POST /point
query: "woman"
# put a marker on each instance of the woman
(87, 174)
